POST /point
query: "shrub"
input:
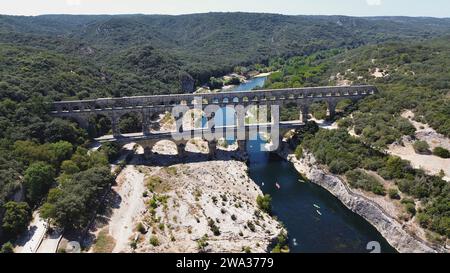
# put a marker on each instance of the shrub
(339, 166)
(251, 226)
(410, 206)
(141, 228)
(7, 248)
(202, 243)
(212, 225)
(246, 249)
(264, 203)
(154, 241)
(299, 152)
(360, 179)
(441, 152)
(421, 147)
(104, 243)
(393, 194)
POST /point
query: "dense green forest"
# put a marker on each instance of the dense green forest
(44, 162)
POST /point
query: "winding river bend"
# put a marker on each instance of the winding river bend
(316, 221)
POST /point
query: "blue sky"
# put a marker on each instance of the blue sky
(434, 8)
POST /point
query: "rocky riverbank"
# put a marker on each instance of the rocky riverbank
(205, 206)
(374, 213)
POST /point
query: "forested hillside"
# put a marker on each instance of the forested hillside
(409, 75)
(56, 57)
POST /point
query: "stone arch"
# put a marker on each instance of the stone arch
(194, 119)
(161, 121)
(258, 113)
(225, 116)
(170, 148)
(318, 109)
(196, 145)
(99, 125)
(343, 104)
(64, 108)
(97, 107)
(290, 111)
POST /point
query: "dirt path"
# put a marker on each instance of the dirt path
(130, 186)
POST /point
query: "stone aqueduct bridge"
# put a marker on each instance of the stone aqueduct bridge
(149, 106)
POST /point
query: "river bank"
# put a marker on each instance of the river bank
(391, 229)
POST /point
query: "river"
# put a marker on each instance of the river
(316, 221)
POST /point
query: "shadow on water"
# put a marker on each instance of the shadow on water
(316, 220)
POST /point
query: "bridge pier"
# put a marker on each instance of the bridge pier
(148, 152)
(212, 147)
(331, 109)
(146, 123)
(242, 145)
(181, 150)
(304, 112)
(115, 127)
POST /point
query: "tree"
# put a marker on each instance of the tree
(71, 205)
(37, 181)
(421, 147)
(69, 167)
(16, 218)
(7, 248)
(393, 194)
(264, 203)
(61, 150)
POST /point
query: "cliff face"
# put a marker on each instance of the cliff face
(388, 226)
